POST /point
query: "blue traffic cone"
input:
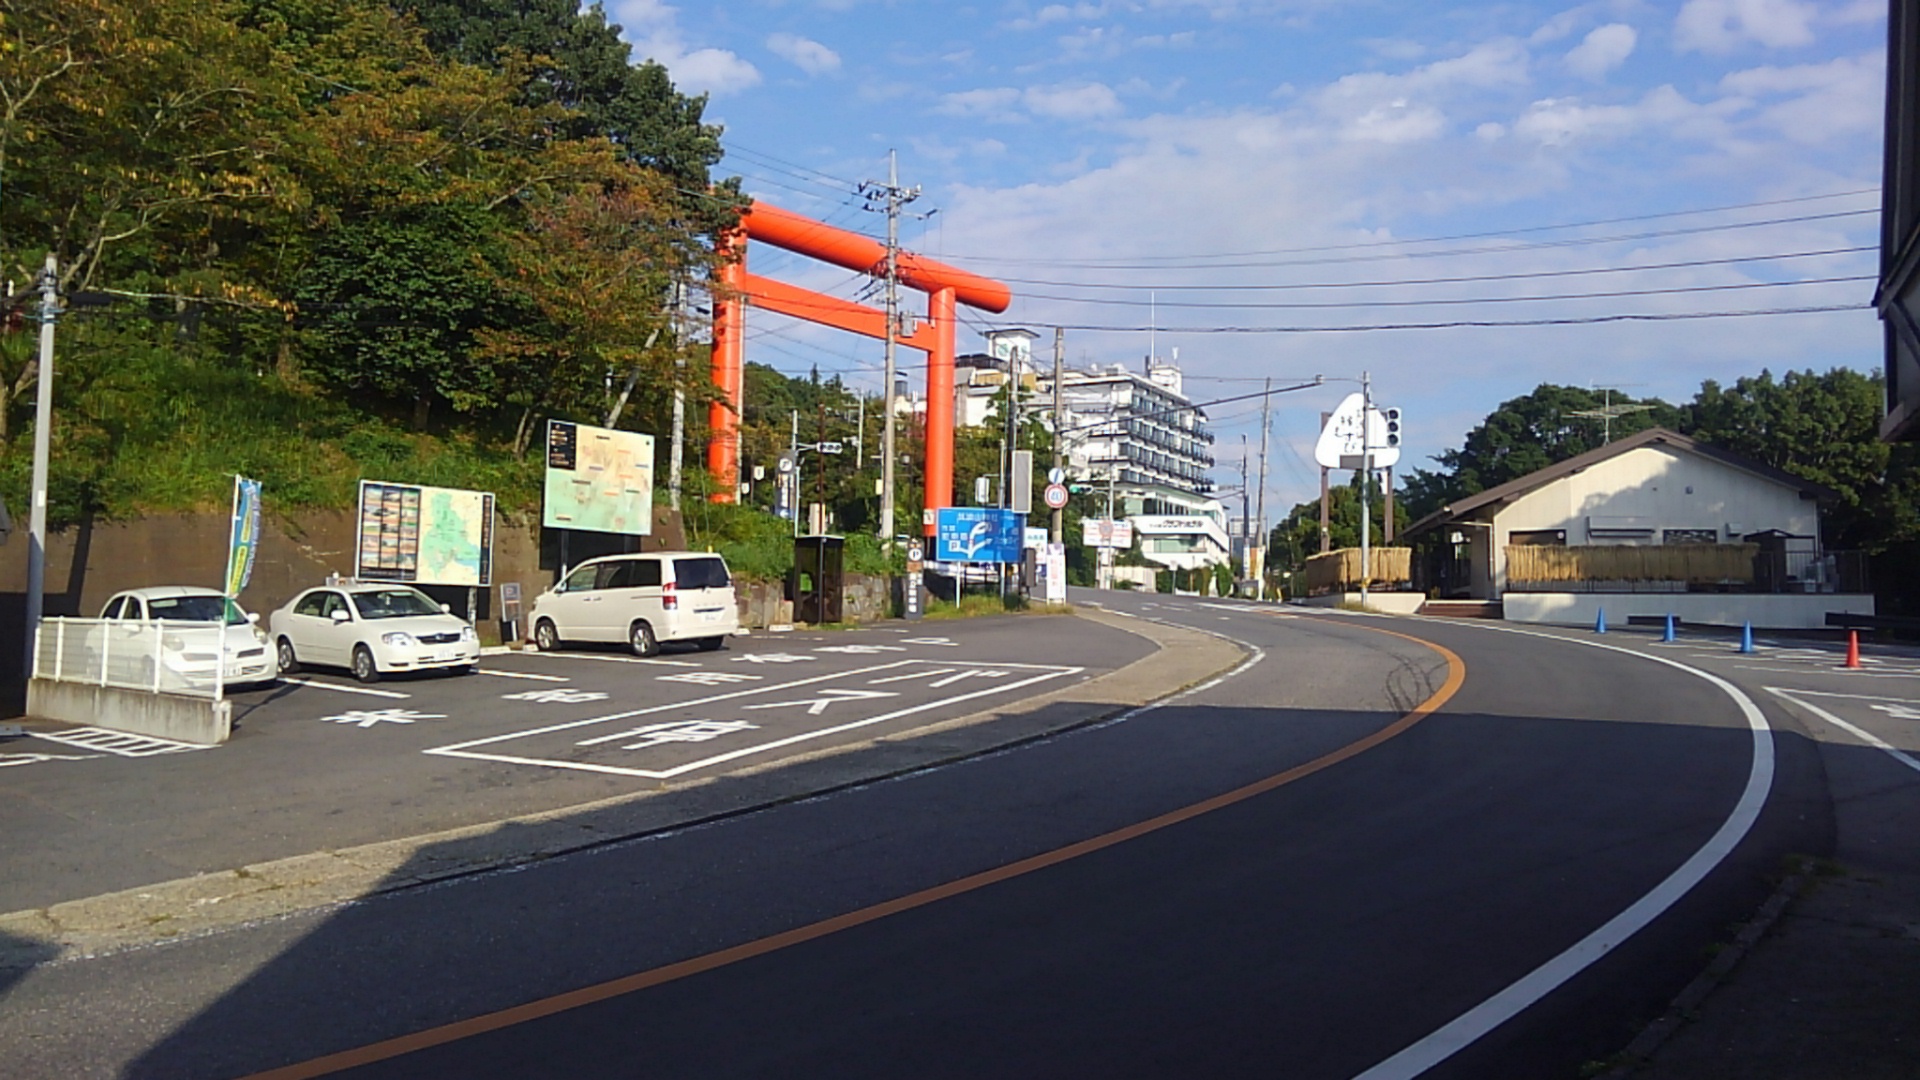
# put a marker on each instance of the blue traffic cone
(1746, 637)
(1668, 636)
(1600, 624)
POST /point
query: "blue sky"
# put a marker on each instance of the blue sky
(1256, 178)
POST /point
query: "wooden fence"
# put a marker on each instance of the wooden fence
(1338, 571)
(1694, 563)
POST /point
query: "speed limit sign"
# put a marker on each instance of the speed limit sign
(1056, 496)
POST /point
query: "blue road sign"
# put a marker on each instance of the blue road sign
(978, 534)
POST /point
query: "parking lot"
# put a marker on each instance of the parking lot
(321, 761)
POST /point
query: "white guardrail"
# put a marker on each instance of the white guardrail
(160, 656)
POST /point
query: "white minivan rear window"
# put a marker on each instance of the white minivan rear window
(705, 572)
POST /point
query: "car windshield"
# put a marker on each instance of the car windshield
(393, 604)
(205, 609)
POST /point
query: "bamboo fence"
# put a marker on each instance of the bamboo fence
(1338, 571)
(1694, 563)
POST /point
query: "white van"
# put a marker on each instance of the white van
(643, 600)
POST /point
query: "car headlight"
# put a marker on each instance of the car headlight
(259, 635)
(467, 634)
(398, 639)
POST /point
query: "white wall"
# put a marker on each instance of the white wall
(1788, 611)
(1662, 488)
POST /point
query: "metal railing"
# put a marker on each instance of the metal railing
(158, 656)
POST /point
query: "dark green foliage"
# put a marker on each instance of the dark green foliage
(393, 302)
(580, 62)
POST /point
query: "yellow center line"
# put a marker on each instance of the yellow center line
(628, 984)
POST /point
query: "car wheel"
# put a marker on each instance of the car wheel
(545, 637)
(640, 636)
(289, 663)
(710, 644)
(364, 668)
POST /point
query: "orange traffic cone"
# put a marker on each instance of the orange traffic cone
(1853, 648)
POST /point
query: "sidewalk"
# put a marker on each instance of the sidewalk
(208, 902)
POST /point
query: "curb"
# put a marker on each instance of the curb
(191, 907)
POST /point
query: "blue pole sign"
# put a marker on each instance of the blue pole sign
(978, 535)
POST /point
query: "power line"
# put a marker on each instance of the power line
(1474, 323)
(1115, 263)
(1459, 279)
(1456, 301)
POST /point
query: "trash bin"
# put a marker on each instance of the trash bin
(819, 582)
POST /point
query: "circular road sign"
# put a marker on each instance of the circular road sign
(1056, 496)
(1056, 475)
(914, 553)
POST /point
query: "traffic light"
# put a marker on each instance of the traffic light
(1393, 427)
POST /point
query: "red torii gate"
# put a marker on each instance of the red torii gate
(944, 285)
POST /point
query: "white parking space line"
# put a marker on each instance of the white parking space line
(465, 749)
(367, 690)
(119, 743)
(525, 675)
(1860, 733)
(616, 659)
(1837, 669)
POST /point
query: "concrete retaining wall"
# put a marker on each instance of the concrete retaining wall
(1396, 603)
(1788, 611)
(166, 716)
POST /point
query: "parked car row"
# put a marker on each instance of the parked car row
(374, 629)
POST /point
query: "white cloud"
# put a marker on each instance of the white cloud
(804, 53)
(1817, 102)
(653, 28)
(994, 103)
(1083, 101)
(1721, 26)
(1379, 107)
(1602, 50)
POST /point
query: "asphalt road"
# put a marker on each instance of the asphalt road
(321, 762)
(1489, 887)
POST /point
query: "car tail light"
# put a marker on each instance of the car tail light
(668, 600)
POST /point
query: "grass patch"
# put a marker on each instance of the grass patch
(973, 604)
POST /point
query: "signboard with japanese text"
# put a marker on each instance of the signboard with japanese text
(598, 479)
(424, 535)
(1102, 533)
(978, 534)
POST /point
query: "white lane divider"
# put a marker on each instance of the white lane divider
(618, 659)
(367, 690)
(1550, 976)
(525, 675)
(1860, 733)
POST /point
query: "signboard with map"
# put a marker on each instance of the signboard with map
(598, 479)
(424, 535)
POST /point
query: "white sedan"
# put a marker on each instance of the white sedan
(170, 637)
(371, 630)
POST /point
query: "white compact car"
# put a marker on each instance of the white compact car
(372, 629)
(643, 600)
(169, 637)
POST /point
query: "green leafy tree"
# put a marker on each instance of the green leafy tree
(1525, 434)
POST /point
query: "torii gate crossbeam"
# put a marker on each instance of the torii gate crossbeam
(945, 286)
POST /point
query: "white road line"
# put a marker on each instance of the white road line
(1836, 669)
(1543, 980)
(1862, 734)
(1856, 697)
(367, 690)
(617, 659)
(118, 743)
(525, 675)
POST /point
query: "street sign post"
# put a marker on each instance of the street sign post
(977, 534)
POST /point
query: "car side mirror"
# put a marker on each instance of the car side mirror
(253, 617)
(446, 609)
(340, 616)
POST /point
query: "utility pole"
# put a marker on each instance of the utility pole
(894, 197)
(1246, 528)
(1059, 426)
(42, 452)
(1260, 499)
(1326, 518)
(676, 455)
(1366, 481)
